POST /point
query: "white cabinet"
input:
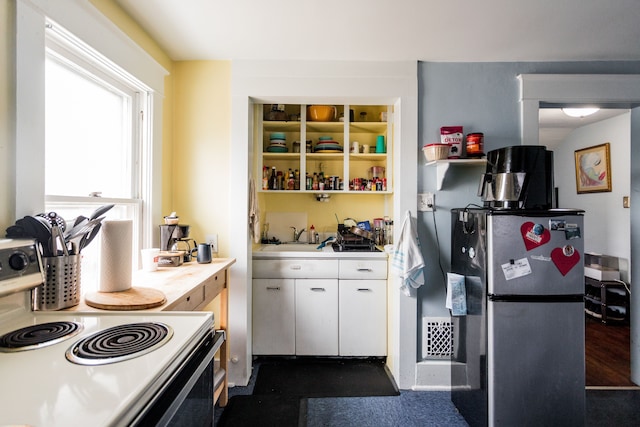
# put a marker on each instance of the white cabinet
(363, 307)
(363, 317)
(320, 307)
(273, 316)
(316, 317)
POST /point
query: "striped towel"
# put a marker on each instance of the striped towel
(407, 259)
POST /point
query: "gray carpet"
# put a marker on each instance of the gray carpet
(410, 409)
(434, 408)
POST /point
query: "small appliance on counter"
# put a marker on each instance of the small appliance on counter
(518, 177)
(172, 237)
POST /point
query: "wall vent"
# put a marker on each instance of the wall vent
(437, 338)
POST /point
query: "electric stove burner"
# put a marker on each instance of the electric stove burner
(119, 343)
(38, 336)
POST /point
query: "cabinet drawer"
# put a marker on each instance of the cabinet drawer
(295, 269)
(190, 301)
(363, 269)
(214, 285)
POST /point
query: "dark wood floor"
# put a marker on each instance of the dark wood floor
(607, 354)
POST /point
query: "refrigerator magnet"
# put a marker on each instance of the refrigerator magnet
(516, 268)
(572, 231)
(534, 235)
(557, 224)
(565, 258)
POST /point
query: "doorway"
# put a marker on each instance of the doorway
(620, 90)
(606, 337)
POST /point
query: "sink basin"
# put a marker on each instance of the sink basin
(290, 247)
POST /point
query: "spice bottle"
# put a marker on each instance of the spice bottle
(290, 180)
(273, 180)
(265, 178)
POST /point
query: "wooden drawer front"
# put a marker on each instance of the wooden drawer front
(191, 301)
(363, 269)
(295, 269)
(214, 285)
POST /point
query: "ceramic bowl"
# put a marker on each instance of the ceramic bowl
(322, 113)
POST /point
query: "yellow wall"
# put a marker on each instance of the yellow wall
(361, 207)
(202, 135)
(7, 115)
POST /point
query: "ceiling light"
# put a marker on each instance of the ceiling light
(579, 112)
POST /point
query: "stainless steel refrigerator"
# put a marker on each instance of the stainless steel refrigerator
(519, 350)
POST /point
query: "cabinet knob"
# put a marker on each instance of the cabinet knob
(363, 289)
(364, 269)
(273, 288)
(318, 289)
(296, 267)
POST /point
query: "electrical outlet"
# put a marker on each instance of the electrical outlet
(426, 202)
(212, 239)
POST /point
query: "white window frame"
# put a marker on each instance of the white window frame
(80, 18)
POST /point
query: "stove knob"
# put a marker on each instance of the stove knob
(18, 261)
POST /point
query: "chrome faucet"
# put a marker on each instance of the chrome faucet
(296, 233)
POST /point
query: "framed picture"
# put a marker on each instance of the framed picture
(593, 169)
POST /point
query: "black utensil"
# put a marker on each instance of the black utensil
(40, 229)
(82, 229)
(79, 219)
(100, 211)
(87, 238)
(54, 218)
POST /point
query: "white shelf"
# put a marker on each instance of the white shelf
(442, 166)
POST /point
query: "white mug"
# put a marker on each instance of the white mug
(150, 259)
(365, 148)
(355, 147)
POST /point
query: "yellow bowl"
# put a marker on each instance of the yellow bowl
(322, 113)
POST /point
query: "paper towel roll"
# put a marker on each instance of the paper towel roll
(116, 255)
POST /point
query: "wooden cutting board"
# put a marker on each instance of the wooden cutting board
(132, 299)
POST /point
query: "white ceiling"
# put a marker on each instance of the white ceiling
(555, 126)
(425, 30)
(393, 30)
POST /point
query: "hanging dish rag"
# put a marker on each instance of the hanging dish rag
(407, 259)
(254, 212)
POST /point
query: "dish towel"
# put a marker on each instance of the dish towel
(407, 259)
(254, 212)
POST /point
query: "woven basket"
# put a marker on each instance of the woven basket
(434, 152)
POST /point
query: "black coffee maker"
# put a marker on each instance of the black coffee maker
(175, 237)
(518, 177)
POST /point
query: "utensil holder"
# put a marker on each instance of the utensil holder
(61, 288)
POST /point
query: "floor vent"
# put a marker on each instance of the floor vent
(437, 341)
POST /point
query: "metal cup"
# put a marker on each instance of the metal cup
(204, 253)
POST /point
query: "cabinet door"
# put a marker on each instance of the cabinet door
(317, 317)
(363, 317)
(273, 316)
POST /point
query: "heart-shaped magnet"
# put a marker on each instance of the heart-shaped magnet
(565, 258)
(534, 235)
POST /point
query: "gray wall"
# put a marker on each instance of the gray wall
(482, 97)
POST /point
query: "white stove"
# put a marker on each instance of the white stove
(41, 386)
